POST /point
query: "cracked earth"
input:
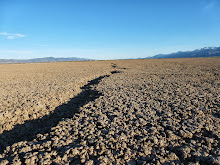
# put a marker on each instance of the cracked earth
(163, 111)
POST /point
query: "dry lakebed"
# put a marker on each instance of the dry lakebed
(152, 111)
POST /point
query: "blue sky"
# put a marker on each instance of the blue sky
(106, 29)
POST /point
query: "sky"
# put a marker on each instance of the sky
(106, 29)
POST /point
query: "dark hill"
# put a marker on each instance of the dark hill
(204, 52)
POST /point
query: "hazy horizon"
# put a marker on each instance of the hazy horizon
(96, 59)
(106, 29)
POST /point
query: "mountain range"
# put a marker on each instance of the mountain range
(46, 59)
(203, 52)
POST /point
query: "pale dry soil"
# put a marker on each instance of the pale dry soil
(163, 111)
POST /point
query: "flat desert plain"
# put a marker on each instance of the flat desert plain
(153, 111)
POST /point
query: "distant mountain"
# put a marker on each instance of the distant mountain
(204, 52)
(46, 59)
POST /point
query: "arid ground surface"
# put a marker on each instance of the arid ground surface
(161, 111)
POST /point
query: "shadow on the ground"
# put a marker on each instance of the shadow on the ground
(29, 130)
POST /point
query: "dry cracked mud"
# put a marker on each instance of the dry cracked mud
(163, 111)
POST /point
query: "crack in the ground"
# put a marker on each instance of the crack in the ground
(113, 65)
(29, 130)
